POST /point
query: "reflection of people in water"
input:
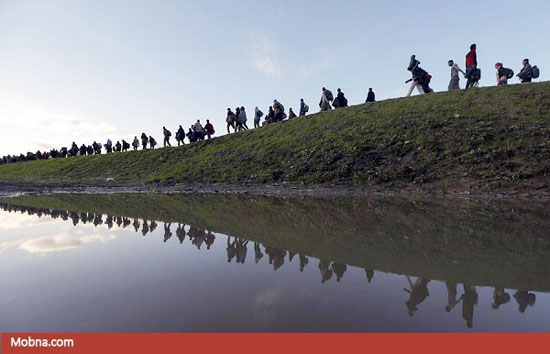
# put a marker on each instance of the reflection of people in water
(180, 232)
(339, 270)
(74, 216)
(136, 225)
(500, 297)
(370, 274)
(276, 256)
(257, 252)
(152, 225)
(469, 300)
(118, 221)
(242, 249)
(524, 299)
(167, 232)
(231, 249)
(303, 262)
(451, 297)
(109, 221)
(145, 228)
(126, 222)
(98, 220)
(291, 256)
(419, 292)
(326, 272)
(196, 236)
(209, 241)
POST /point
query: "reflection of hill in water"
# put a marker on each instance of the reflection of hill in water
(496, 244)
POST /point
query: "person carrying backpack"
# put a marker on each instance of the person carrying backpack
(180, 135)
(230, 120)
(370, 96)
(340, 101)
(208, 129)
(279, 111)
(291, 114)
(304, 108)
(135, 143)
(418, 79)
(167, 134)
(503, 74)
(326, 99)
(144, 141)
(526, 73)
(198, 130)
(257, 117)
(471, 67)
(242, 119)
(152, 142)
(455, 69)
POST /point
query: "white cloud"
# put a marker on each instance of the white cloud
(54, 243)
(264, 58)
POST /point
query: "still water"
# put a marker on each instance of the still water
(176, 263)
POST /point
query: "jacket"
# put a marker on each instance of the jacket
(471, 58)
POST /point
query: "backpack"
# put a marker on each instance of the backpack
(427, 78)
(509, 73)
(259, 114)
(329, 95)
(535, 72)
(476, 75)
(306, 108)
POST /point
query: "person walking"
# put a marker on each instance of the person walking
(208, 129)
(180, 135)
(167, 134)
(198, 130)
(340, 101)
(135, 143)
(471, 67)
(454, 84)
(152, 142)
(257, 117)
(326, 99)
(242, 118)
(502, 74)
(370, 96)
(230, 120)
(417, 76)
(144, 141)
(304, 108)
(526, 73)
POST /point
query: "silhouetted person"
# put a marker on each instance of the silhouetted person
(257, 252)
(370, 274)
(144, 141)
(339, 270)
(242, 249)
(145, 228)
(303, 262)
(152, 225)
(231, 249)
(418, 293)
(167, 134)
(109, 222)
(180, 232)
(500, 297)
(469, 300)
(326, 272)
(451, 297)
(167, 232)
(152, 142)
(291, 256)
(524, 299)
(370, 96)
(136, 225)
(209, 240)
(276, 257)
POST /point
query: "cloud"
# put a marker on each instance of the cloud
(264, 58)
(54, 243)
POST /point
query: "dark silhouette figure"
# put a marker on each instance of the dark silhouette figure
(326, 272)
(370, 274)
(500, 297)
(469, 300)
(524, 299)
(303, 262)
(257, 252)
(167, 232)
(451, 297)
(339, 270)
(418, 293)
(180, 233)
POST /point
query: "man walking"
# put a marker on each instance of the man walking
(471, 66)
(167, 134)
(455, 69)
(370, 96)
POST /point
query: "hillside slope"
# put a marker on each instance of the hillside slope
(491, 138)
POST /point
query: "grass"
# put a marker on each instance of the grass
(494, 136)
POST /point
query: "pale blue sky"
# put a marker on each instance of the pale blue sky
(88, 70)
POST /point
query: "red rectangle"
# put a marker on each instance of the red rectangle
(84, 343)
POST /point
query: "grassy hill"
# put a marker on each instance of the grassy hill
(491, 138)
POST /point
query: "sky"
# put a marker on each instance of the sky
(91, 70)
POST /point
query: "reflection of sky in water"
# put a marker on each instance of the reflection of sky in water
(57, 277)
